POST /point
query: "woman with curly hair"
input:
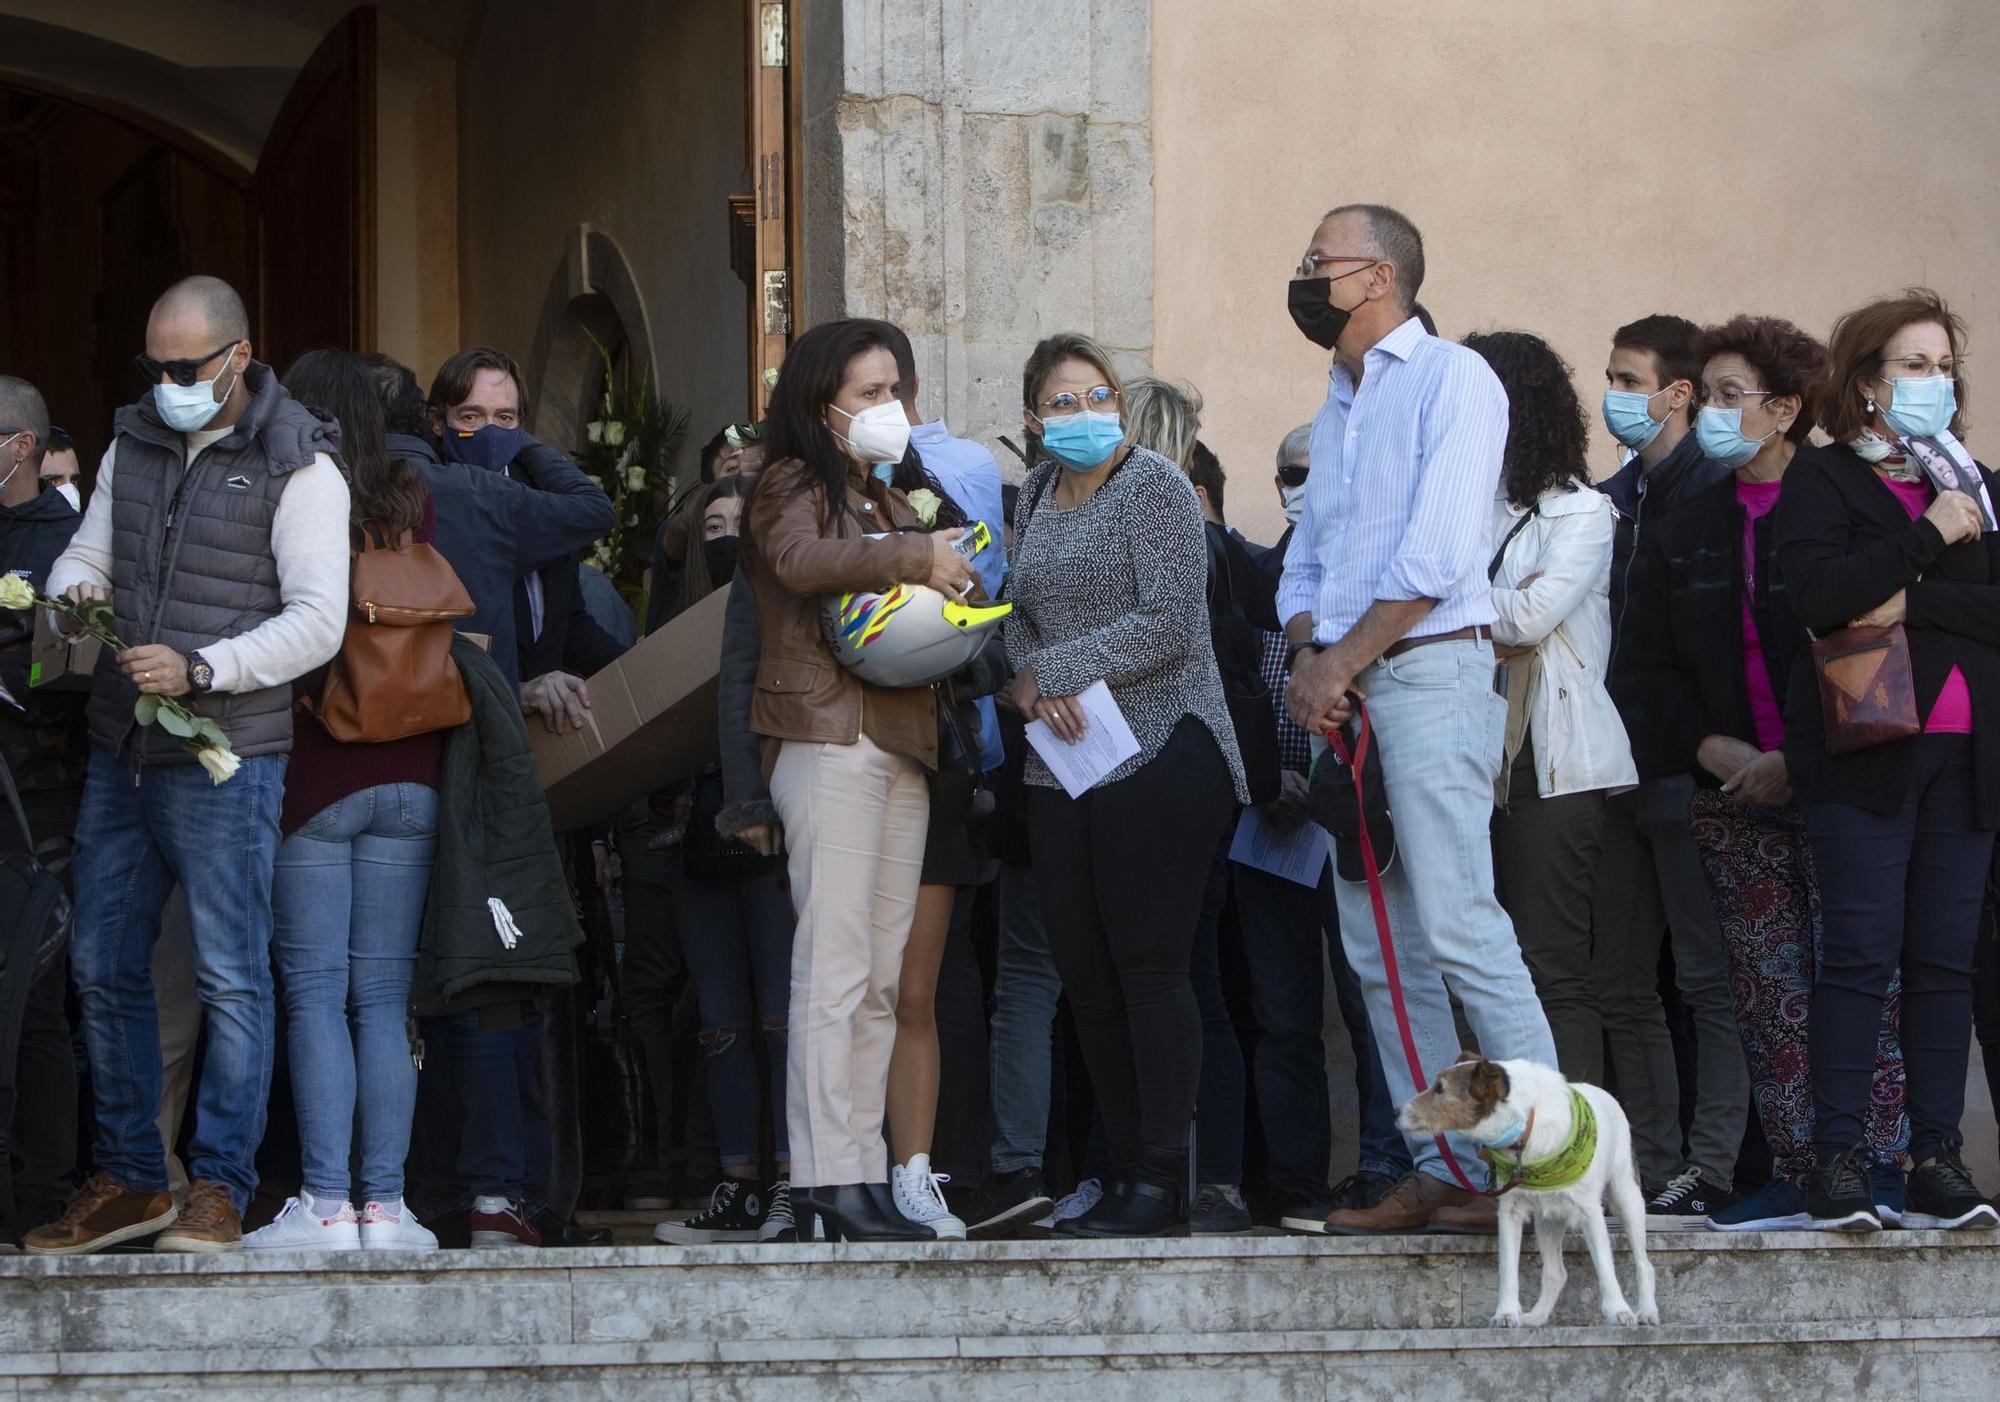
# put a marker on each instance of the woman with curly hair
(1565, 745)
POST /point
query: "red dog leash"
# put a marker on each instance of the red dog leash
(1355, 757)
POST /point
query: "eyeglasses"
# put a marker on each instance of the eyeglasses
(1917, 365)
(1293, 474)
(1100, 399)
(1310, 265)
(1732, 396)
(182, 372)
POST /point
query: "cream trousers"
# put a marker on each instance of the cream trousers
(855, 818)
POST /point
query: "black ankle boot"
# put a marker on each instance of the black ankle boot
(1132, 1210)
(855, 1212)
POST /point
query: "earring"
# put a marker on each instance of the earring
(1871, 406)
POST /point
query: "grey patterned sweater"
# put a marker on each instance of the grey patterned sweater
(1116, 590)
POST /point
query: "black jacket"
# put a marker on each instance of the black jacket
(494, 843)
(1687, 656)
(1643, 503)
(1845, 544)
(746, 797)
(571, 641)
(45, 745)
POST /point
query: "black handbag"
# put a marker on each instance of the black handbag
(706, 855)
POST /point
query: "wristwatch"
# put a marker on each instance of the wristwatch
(201, 676)
(1292, 653)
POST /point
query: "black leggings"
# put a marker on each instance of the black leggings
(1121, 872)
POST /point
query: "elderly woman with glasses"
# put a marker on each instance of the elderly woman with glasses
(1109, 585)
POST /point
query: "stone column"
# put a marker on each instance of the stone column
(982, 175)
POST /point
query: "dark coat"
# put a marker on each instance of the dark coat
(44, 744)
(746, 796)
(495, 842)
(1687, 656)
(1845, 544)
(571, 641)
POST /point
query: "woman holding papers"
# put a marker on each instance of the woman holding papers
(1565, 747)
(848, 774)
(1135, 762)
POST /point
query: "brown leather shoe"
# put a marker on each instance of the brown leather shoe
(101, 1215)
(1477, 1215)
(1409, 1207)
(208, 1222)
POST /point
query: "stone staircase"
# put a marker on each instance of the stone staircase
(1904, 1315)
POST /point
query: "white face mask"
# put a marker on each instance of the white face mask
(1295, 502)
(71, 495)
(879, 433)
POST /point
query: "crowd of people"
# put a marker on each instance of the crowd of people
(1675, 782)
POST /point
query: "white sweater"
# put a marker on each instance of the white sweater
(308, 541)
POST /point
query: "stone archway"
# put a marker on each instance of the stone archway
(592, 293)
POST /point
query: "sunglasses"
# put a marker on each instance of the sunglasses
(184, 373)
(1294, 474)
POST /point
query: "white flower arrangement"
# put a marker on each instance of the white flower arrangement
(925, 503)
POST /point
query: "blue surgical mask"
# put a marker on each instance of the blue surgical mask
(491, 447)
(1628, 415)
(189, 408)
(1083, 440)
(885, 473)
(1509, 1133)
(1720, 433)
(1921, 406)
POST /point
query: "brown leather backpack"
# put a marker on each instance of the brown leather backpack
(394, 677)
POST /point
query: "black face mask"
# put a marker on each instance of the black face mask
(1320, 320)
(721, 554)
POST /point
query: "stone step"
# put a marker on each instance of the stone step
(1776, 1315)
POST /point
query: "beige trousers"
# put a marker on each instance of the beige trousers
(855, 818)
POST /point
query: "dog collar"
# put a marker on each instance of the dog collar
(1564, 1168)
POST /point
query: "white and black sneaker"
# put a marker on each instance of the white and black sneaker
(1943, 1196)
(920, 1197)
(1840, 1196)
(1686, 1203)
(735, 1212)
(779, 1224)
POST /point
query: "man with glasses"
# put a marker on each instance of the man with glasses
(1385, 593)
(218, 531)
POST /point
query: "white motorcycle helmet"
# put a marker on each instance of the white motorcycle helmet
(910, 635)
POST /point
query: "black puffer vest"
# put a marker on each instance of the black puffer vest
(191, 557)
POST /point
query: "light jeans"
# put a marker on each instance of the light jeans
(348, 905)
(855, 820)
(1439, 731)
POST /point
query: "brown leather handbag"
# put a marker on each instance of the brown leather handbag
(394, 677)
(1866, 687)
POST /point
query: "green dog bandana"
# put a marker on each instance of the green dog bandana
(1564, 1168)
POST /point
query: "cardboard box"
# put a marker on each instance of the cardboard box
(651, 721)
(57, 663)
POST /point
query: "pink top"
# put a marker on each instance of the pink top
(1951, 714)
(1757, 499)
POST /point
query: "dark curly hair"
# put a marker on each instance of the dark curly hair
(1788, 362)
(1546, 428)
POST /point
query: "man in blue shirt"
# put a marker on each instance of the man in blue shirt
(1385, 593)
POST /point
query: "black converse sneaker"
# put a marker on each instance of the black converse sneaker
(735, 1212)
(779, 1224)
(1943, 1195)
(1841, 1196)
(1686, 1202)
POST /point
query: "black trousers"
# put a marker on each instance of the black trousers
(1905, 889)
(1121, 872)
(38, 1091)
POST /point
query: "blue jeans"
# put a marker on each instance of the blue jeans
(737, 938)
(1026, 989)
(348, 902)
(1286, 927)
(1439, 733)
(1218, 1112)
(135, 841)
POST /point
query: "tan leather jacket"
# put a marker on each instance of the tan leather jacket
(793, 562)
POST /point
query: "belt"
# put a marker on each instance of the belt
(1478, 632)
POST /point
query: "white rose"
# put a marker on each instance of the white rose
(594, 431)
(635, 478)
(614, 433)
(925, 503)
(16, 592)
(221, 763)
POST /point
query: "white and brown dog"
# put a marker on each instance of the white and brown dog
(1558, 1151)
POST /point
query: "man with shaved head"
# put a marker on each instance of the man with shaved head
(218, 531)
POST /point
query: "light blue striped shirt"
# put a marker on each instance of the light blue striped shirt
(1401, 493)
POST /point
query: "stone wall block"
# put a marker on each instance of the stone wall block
(1121, 66)
(998, 232)
(1060, 160)
(1121, 207)
(1022, 56)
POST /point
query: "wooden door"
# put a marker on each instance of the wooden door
(314, 197)
(774, 116)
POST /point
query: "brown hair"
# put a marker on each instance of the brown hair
(452, 385)
(1042, 363)
(695, 582)
(1786, 359)
(1855, 355)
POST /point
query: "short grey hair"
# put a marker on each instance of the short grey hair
(1397, 242)
(1163, 415)
(217, 302)
(1297, 446)
(22, 407)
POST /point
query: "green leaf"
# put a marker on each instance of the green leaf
(176, 720)
(206, 729)
(147, 710)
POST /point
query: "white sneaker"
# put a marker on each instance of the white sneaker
(1088, 1194)
(920, 1197)
(298, 1227)
(394, 1229)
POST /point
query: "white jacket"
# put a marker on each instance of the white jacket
(1580, 742)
